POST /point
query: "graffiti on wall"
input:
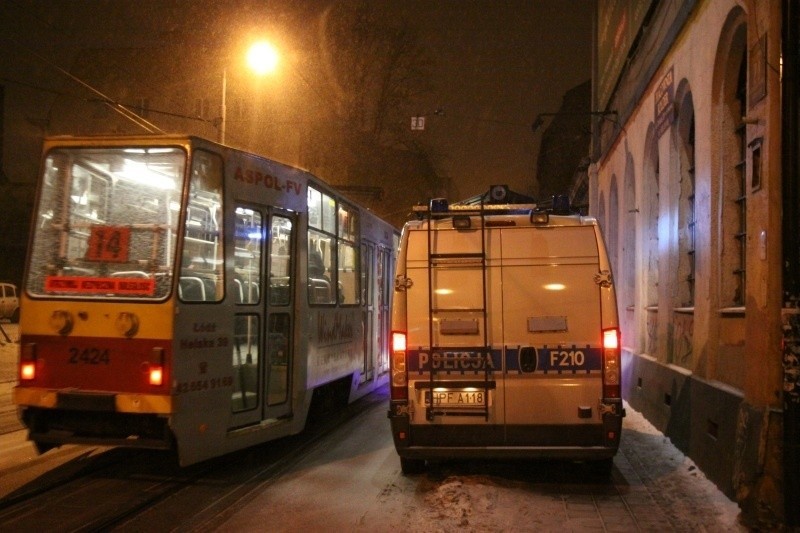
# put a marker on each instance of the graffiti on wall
(652, 332)
(680, 339)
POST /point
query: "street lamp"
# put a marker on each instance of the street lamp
(262, 58)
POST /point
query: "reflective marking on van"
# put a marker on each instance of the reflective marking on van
(454, 360)
(550, 360)
(563, 359)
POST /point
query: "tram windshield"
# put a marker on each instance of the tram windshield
(106, 222)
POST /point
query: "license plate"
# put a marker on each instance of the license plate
(456, 398)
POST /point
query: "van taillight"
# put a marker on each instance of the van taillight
(399, 386)
(27, 362)
(398, 341)
(611, 363)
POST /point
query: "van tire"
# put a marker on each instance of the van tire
(15, 316)
(411, 466)
(601, 468)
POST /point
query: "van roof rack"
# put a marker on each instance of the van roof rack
(444, 208)
(499, 200)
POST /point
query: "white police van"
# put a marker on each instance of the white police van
(505, 336)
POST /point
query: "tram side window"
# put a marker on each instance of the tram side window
(349, 264)
(321, 247)
(320, 268)
(334, 268)
(201, 276)
(280, 264)
(247, 256)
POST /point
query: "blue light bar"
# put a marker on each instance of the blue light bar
(439, 205)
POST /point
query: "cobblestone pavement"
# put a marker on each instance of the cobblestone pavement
(9, 352)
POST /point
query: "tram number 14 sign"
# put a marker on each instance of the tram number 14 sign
(108, 244)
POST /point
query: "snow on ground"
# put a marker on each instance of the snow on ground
(654, 487)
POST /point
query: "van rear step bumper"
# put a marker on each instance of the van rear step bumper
(508, 452)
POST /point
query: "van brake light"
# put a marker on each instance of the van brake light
(612, 376)
(611, 339)
(399, 371)
(398, 341)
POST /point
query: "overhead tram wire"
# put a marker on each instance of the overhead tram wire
(114, 105)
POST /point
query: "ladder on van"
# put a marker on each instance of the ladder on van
(441, 355)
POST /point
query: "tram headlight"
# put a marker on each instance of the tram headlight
(127, 324)
(62, 322)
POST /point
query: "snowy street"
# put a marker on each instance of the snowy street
(351, 480)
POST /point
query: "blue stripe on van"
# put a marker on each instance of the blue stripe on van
(543, 360)
(562, 359)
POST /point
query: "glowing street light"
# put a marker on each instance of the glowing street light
(262, 58)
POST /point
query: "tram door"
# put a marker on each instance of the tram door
(279, 312)
(262, 291)
(368, 310)
(384, 288)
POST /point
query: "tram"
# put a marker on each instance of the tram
(180, 294)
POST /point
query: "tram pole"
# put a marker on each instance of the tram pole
(223, 108)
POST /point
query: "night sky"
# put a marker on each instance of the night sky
(495, 64)
(499, 64)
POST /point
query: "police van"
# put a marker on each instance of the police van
(505, 336)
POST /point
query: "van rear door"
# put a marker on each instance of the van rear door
(454, 365)
(551, 334)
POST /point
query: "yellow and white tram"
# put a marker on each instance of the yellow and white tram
(180, 293)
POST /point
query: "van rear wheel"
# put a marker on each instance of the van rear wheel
(411, 466)
(602, 467)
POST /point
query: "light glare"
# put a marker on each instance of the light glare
(262, 58)
(610, 339)
(27, 371)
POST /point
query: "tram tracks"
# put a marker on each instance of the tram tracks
(135, 490)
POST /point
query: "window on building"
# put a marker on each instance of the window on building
(651, 209)
(651, 181)
(629, 238)
(684, 143)
(733, 148)
(741, 185)
(613, 222)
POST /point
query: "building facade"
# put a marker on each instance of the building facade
(694, 182)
